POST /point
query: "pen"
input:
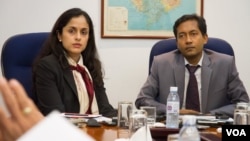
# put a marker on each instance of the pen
(80, 115)
(76, 114)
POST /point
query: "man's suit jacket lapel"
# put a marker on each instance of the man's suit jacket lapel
(68, 75)
(179, 73)
(206, 72)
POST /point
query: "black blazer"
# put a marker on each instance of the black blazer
(55, 89)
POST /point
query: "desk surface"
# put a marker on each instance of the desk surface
(109, 133)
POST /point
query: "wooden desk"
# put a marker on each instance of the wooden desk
(103, 133)
(108, 133)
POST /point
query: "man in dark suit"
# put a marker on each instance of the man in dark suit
(219, 85)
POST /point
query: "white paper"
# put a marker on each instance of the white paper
(55, 128)
(81, 120)
(102, 119)
(201, 117)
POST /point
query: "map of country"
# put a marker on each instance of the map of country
(150, 14)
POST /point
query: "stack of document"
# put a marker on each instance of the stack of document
(213, 121)
(55, 128)
(79, 118)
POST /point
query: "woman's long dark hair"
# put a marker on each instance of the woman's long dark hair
(90, 54)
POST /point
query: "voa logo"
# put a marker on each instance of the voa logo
(236, 132)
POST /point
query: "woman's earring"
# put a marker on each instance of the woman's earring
(60, 40)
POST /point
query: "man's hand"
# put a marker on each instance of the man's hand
(189, 112)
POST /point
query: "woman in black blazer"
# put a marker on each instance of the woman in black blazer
(58, 85)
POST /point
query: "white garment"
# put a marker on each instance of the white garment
(81, 88)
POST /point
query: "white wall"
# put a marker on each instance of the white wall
(126, 60)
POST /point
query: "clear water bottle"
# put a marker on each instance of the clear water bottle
(172, 109)
(189, 131)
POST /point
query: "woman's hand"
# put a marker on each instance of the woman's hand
(23, 114)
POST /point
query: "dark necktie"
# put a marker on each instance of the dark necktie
(192, 96)
(88, 83)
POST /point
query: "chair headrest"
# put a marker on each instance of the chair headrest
(17, 56)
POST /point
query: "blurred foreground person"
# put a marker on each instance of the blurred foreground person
(23, 114)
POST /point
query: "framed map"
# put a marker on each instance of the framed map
(144, 18)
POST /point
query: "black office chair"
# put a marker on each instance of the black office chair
(167, 45)
(17, 56)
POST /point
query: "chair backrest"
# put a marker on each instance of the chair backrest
(18, 54)
(163, 46)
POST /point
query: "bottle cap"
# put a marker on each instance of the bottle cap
(242, 105)
(173, 89)
(189, 120)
